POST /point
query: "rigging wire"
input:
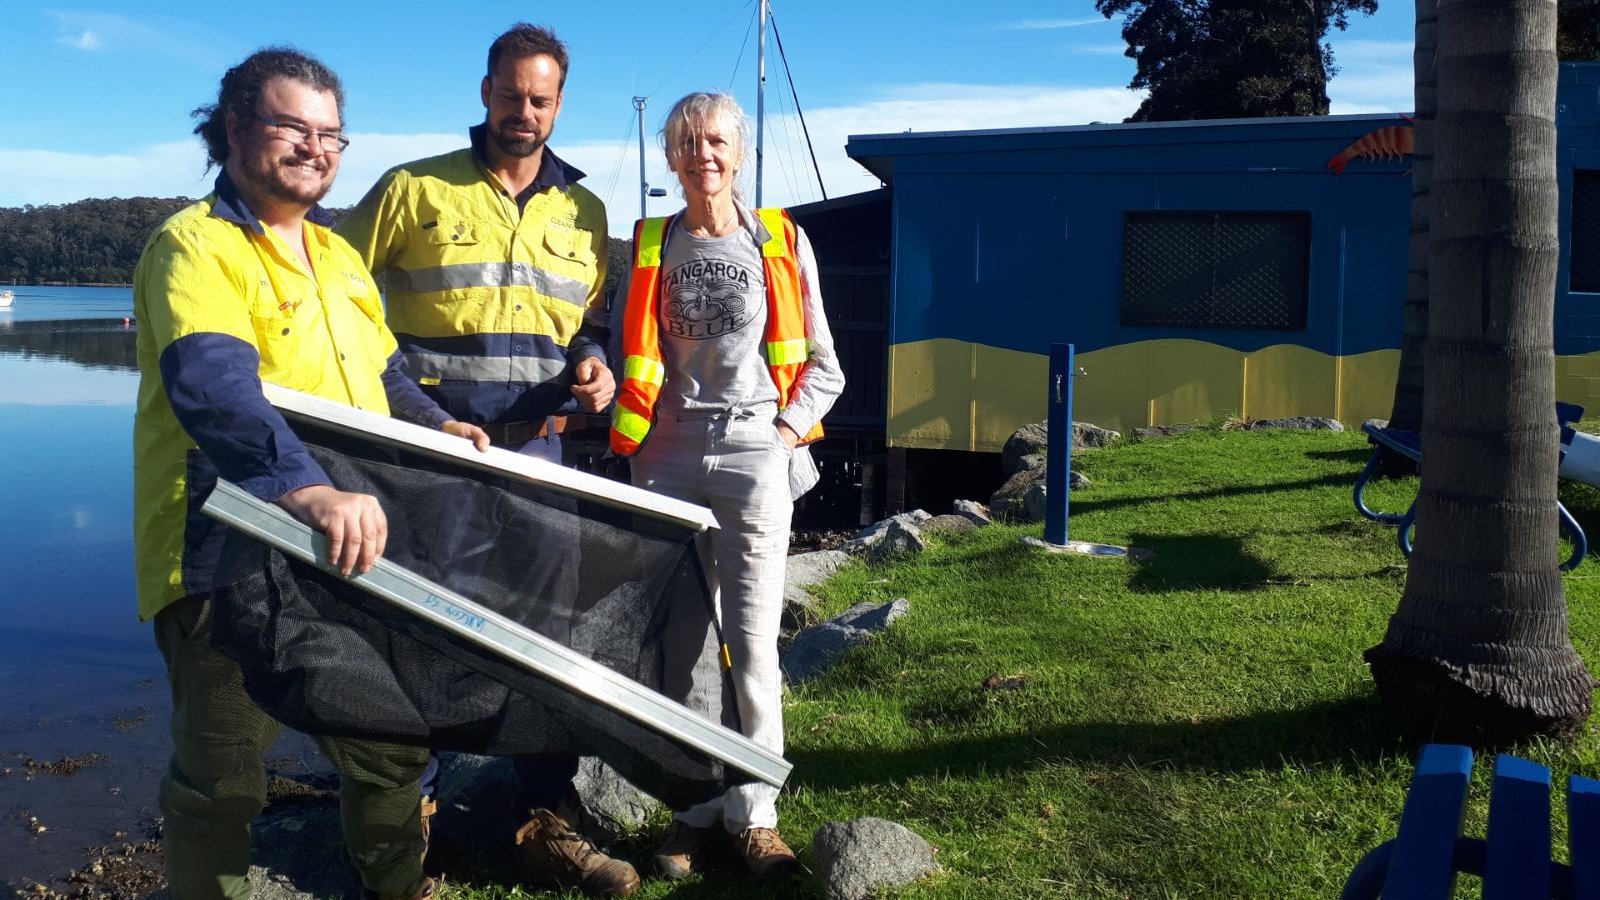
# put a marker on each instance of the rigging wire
(622, 155)
(740, 58)
(698, 49)
(787, 166)
(802, 116)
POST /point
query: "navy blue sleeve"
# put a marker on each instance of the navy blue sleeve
(212, 383)
(590, 340)
(406, 399)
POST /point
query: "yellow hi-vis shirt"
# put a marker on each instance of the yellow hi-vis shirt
(487, 301)
(209, 279)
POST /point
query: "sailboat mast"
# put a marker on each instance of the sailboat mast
(644, 186)
(761, 95)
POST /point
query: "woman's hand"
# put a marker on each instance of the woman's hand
(787, 435)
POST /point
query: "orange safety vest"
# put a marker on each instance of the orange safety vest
(643, 371)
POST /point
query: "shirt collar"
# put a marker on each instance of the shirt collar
(553, 170)
(230, 207)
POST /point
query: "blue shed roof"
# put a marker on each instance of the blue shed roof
(878, 152)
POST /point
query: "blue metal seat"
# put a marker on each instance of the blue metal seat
(1409, 445)
(1423, 859)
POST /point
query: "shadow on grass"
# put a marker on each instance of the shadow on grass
(1243, 490)
(1355, 455)
(1357, 729)
(1187, 562)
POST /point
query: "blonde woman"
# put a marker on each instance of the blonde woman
(728, 370)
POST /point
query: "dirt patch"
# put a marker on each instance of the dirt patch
(129, 719)
(125, 871)
(819, 539)
(66, 766)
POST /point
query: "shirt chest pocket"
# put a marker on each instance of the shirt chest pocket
(570, 253)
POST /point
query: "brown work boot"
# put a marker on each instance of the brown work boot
(688, 849)
(561, 857)
(764, 852)
(426, 813)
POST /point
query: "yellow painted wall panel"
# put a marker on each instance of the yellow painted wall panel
(1010, 389)
(930, 394)
(1366, 386)
(1287, 380)
(1191, 381)
(954, 395)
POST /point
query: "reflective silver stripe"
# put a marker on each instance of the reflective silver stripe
(483, 368)
(489, 274)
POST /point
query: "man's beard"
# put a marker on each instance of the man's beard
(519, 147)
(268, 179)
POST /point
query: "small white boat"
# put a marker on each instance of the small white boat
(5, 299)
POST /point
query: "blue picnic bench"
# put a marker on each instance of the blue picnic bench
(1409, 445)
(1422, 861)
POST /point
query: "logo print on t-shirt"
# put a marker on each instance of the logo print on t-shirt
(706, 298)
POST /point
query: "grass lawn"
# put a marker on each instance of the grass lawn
(1198, 725)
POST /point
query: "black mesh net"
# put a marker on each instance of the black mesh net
(325, 657)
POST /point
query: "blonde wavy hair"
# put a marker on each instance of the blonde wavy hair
(688, 119)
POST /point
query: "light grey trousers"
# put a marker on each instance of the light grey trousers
(736, 464)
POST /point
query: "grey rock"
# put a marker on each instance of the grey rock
(1034, 440)
(818, 647)
(1301, 423)
(1158, 431)
(297, 853)
(1007, 503)
(479, 813)
(856, 858)
(1023, 497)
(1029, 440)
(972, 510)
(949, 523)
(806, 570)
(900, 540)
(874, 533)
(1088, 436)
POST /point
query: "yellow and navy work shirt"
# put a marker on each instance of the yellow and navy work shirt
(493, 297)
(222, 305)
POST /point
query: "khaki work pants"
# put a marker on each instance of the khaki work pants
(215, 783)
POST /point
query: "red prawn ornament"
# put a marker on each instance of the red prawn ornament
(1388, 142)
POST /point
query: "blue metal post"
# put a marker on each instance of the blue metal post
(1058, 456)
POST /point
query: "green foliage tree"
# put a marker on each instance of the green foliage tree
(90, 241)
(1226, 59)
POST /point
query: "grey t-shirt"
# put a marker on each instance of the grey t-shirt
(713, 319)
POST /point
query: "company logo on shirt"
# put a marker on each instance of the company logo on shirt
(707, 298)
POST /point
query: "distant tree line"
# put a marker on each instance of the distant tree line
(99, 241)
(86, 241)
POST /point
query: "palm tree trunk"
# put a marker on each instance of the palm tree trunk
(1406, 412)
(1478, 650)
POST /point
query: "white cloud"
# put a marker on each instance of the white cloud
(164, 36)
(175, 168)
(1048, 24)
(85, 41)
(1099, 49)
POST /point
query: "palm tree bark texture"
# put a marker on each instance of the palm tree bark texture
(1406, 413)
(1478, 650)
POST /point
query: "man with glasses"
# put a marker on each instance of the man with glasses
(493, 257)
(250, 285)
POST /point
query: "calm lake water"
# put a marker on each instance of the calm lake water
(79, 673)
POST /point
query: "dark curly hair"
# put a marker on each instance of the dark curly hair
(522, 40)
(240, 93)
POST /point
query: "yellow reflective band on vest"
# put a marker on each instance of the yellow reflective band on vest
(645, 369)
(775, 245)
(631, 424)
(650, 236)
(783, 353)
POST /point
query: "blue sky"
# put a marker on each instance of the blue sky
(96, 97)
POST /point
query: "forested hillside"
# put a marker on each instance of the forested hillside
(99, 241)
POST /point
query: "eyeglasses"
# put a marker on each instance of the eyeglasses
(298, 134)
